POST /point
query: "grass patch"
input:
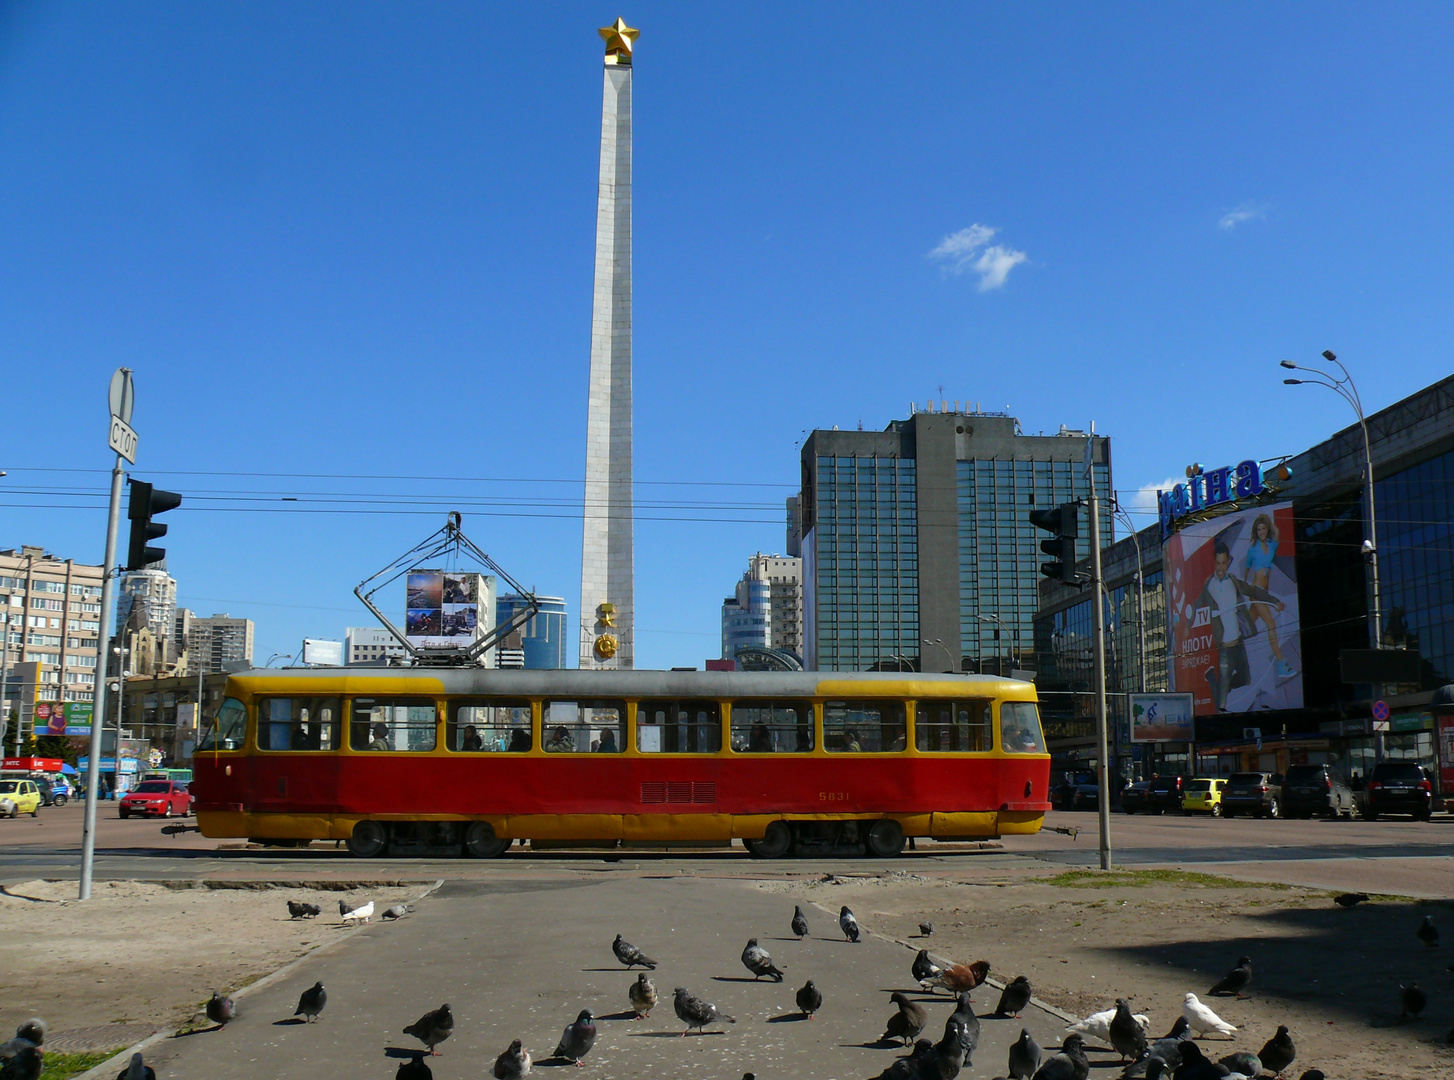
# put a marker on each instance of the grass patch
(65, 1066)
(1111, 879)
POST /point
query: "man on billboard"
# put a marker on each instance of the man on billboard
(1224, 595)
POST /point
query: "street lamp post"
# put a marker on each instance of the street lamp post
(999, 626)
(949, 656)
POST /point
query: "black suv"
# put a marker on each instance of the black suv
(1165, 793)
(1399, 787)
(1316, 789)
(1255, 793)
(1062, 795)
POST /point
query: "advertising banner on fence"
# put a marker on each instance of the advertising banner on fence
(1234, 612)
(63, 717)
(1162, 718)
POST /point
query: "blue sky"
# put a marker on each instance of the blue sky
(346, 245)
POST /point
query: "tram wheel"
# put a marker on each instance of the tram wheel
(480, 841)
(775, 842)
(368, 840)
(885, 839)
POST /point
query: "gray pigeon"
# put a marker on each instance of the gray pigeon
(965, 1025)
(577, 1039)
(1428, 933)
(433, 1028)
(756, 960)
(414, 1069)
(948, 1058)
(1069, 1064)
(1024, 1056)
(1147, 1068)
(221, 1010)
(696, 1013)
(1014, 997)
(21, 1059)
(299, 910)
(926, 929)
(643, 995)
(630, 955)
(33, 1029)
(1167, 1049)
(398, 911)
(1278, 1052)
(800, 922)
(1350, 899)
(917, 1066)
(311, 1002)
(137, 1069)
(512, 1064)
(1128, 1038)
(810, 999)
(848, 924)
(1236, 980)
(1248, 1064)
(907, 1022)
(925, 966)
(1195, 1066)
(1411, 1001)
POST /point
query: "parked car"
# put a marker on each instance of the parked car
(1062, 795)
(1165, 793)
(1316, 789)
(1203, 797)
(50, 794)
(22, 797)
(1086, 797)
(1133, 798)
(1399, 787)
(1255, 793)
(161, 797)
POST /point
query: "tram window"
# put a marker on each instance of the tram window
(678, 727)
(228, 727)
(582, 727)
(778, 727)
(869, 726)
(392, 724)
(297, 723)
(489, 726)
(952, 726)
(1020, 728)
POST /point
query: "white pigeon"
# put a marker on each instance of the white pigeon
(1202, 1019)
(358, 914)
(1098, 1025)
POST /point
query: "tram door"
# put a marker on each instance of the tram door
(305, 779)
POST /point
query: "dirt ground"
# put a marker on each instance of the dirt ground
(139, 957)
(1330, 974)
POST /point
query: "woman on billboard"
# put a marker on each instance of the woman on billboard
(1257, 572)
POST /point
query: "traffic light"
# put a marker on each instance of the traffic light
(1063, 522)
(145, 503)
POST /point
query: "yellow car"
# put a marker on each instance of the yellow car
(1203, 797)
(20, 797)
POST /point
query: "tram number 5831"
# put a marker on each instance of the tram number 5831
(832, 796)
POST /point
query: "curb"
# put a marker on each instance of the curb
(123, 1057)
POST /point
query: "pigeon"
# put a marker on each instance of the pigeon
(297, 910)
(965, 1026)
(1236, 980)
(1201, 1019)
(433, 1028)
(1411, 1001)
(21, 1059)
(1070, 1064)
(696, 1013)
(926, 929)
(1127, 1037)
(907, 1022)
(398, 911)
(916, 1066)
(810, 999)
(643, 996)
(1244, 1062)
(1147, 1067)
(136, 1069)
(1428, 933)
(512, 1064)
(1350, 899)
(577, 1039)
(1098, 1025)
(362, 913)
(848, 924)
(630, 955)
(414, 1069)
(756, 960)
(1317, 1074)
(1024, 1056)
(926, 966)
(1014, 997)
(1278, 1052)
(800, 922)
(948, 1059)
(1195, 1066)
(1180, 1029)
(311, 1003)
(33, 1029)
(221, 1010)
(960, 977)
(1167, 1049)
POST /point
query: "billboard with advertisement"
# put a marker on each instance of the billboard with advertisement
(1162, 718)
(1233, 612)
(63, 717)
(447, 610)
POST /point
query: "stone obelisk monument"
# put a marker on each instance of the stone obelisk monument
(607, 585)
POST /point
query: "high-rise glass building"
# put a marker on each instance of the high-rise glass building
(918, 552)
(543, 638)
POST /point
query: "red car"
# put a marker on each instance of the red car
(161, 797)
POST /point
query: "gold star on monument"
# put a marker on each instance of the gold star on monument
(619, 39)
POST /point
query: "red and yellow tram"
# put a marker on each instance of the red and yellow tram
(466, 761)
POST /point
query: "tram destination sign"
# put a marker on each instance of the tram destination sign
(1205, 490)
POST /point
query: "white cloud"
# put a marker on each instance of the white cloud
(966, 250)
(1143, 502)
(1246, 212)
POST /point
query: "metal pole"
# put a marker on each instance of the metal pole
(1375, 627)
(98, 714)
(1099, 653)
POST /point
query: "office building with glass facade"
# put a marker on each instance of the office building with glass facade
(543, 638)
(918, 552)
